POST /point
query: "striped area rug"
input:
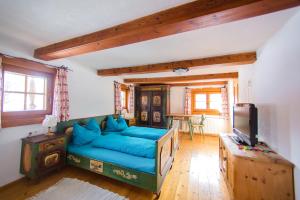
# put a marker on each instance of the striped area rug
(74, 189)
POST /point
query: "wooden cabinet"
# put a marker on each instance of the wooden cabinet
(252, 175)
(152, 104)
(42, 154)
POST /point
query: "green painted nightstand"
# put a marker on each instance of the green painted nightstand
(42, 154)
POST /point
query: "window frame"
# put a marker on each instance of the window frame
(22, 66)
(207, 92)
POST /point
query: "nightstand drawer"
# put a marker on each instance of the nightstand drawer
(45, 146)
(49, 159)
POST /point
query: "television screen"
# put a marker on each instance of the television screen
(242, 119)
(245, 123)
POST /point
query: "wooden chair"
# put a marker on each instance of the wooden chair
(198, 122)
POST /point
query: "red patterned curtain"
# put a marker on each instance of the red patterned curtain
(61, 95)
(118, 107)
(131, 99)
(225, 106)
(188, 101)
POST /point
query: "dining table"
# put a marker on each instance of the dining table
(182, 117)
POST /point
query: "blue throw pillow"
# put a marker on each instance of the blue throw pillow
(93, 125)
(111, 124)
(82, 135)
(122, 125)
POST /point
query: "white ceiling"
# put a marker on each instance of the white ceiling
(34, 23)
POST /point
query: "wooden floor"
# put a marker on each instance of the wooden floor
(195, 176)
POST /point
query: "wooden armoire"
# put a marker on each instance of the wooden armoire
(152, 104)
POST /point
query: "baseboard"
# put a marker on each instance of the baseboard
(12, 183)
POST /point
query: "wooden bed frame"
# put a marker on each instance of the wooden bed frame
(166, 147)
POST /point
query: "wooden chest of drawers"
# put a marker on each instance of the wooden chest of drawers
(255, 175)
(42, 154)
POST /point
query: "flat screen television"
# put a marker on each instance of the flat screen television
(245, 123)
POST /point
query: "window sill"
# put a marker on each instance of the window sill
(22, 118)
(21, 122)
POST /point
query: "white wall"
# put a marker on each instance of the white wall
(90, 95)
(177, 99)
(245, 84)
(275, 90)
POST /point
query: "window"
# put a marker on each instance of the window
(206, 101)
(123, 100)
(27, 92)
(24, 92)
(124, 96)
(200, 101)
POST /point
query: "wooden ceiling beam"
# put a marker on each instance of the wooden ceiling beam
(187, 17)
(177, 79)
(198, 84)
(226, 60)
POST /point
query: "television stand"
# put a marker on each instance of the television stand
(254, 174)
